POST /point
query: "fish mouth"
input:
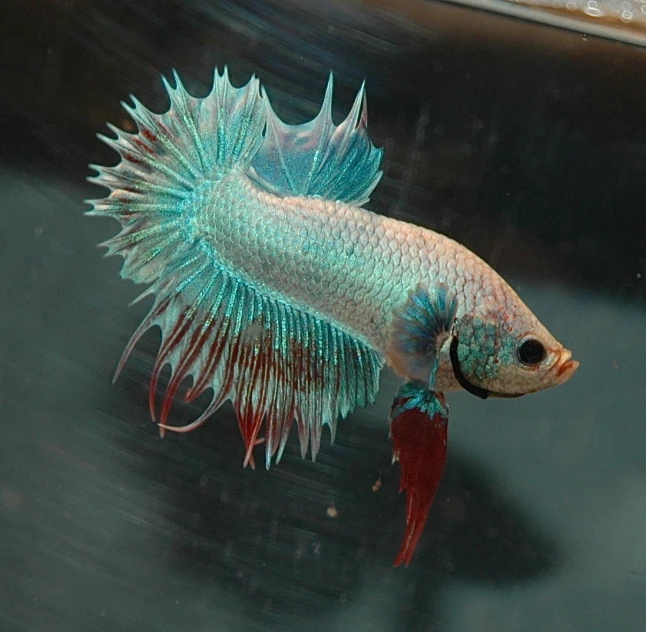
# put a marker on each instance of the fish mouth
(565, 367)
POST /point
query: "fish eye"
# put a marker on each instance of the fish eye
(530, 352)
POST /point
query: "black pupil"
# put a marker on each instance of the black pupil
(531, 352)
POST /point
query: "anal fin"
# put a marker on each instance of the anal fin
(275, 362)
(418, 427)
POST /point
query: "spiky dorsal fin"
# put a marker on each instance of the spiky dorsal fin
(319, 158)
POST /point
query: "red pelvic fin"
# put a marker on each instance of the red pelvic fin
(418, 426)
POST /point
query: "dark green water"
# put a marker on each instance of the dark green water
(526, 143)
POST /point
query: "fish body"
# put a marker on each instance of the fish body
(347, 265)
(275, 289)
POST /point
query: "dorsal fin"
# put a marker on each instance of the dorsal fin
(319, 158)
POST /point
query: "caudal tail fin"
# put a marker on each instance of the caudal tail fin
(164, 163)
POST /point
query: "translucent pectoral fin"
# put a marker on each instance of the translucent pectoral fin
(418, 427)
(420, 326)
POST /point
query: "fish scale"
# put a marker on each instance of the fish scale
(283, 246)
(274, 289)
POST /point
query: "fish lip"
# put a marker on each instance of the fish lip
(564, 367)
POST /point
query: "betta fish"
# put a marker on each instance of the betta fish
(275, 289)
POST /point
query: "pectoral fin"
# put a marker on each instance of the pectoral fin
(419, 328)
(418, 427)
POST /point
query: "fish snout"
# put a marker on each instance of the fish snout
(565, 367)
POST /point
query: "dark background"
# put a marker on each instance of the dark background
(526, 143)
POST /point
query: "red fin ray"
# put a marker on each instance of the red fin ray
(178, 348)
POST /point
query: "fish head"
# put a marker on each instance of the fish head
(506, 351)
